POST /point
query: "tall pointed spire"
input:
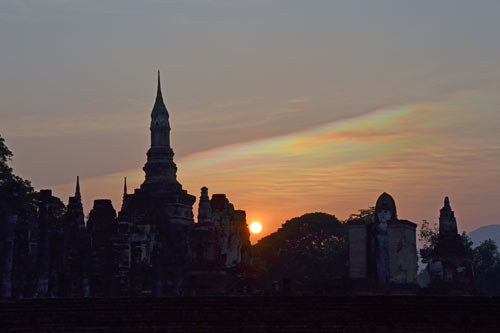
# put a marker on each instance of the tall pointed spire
(125, 187)
(77, 191)
(159, 106)
(160, 168)
(158, 91)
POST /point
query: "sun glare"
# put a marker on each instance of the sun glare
(255, 227)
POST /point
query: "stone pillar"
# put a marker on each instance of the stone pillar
(44, 219)
(102, 227)
(358, 250)
(402, 252)
(8, 255)
(242, 234)
(122, 248)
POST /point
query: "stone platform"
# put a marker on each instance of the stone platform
(253, 314)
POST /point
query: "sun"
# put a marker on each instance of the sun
(255, 227)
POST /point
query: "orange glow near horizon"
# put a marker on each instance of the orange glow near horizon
(417, 153)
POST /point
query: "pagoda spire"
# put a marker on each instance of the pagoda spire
(160, 167)
(77, 191)
(447, 220)
(159, 106)
(158, 91)
(125, 187)
(447, 203)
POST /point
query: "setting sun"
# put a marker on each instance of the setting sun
(255, 227)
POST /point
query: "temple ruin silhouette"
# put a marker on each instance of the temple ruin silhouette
(154, 247)
(151, 247)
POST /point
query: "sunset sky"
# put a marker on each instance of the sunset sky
(286, 106)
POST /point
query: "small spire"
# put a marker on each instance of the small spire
(158, 92)
(447, 203)
(77, 191)
(125, 187)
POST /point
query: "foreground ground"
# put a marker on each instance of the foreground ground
(254, 314)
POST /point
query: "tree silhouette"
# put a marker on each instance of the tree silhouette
(487, 268)
(14, 191)
(305, 249)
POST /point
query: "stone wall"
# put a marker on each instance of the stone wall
(402, 252)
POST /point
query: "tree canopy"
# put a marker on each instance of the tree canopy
(13, 188)
(432, 247)
(486, 260)
(307, 248)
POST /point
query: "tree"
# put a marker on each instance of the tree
(366, 215)
(485, 257)
(429, 237)
(307, 248)
(5, 153)
(432, 246)
(15, 192)
(486, 260)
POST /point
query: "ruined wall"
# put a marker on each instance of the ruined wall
(402, 252)
(231, 229)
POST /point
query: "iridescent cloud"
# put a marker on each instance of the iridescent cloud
(418, 153)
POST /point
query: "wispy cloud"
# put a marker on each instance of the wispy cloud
(419, 153)
(231, 104)
(299, 100)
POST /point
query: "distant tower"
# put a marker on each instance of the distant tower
(74, 271)
(77, 191)
(75, 208)
(450, 266)
(447, 220)
(125, 195)
(160, 168)
(204, 207)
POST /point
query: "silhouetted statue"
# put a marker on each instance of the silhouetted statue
(383, 250)
(385, 212)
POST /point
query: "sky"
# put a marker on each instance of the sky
(286, 106)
